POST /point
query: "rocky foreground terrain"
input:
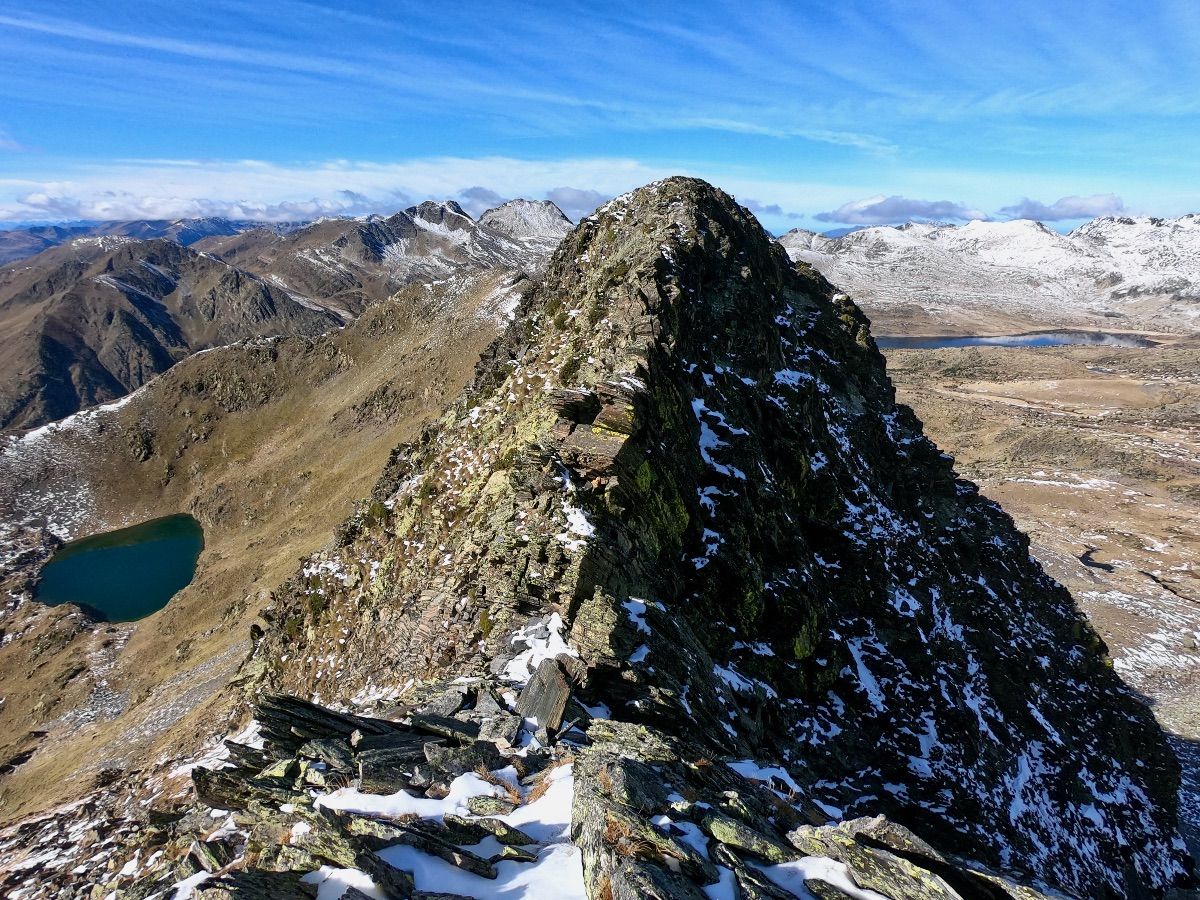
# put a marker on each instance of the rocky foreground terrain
(674, 601)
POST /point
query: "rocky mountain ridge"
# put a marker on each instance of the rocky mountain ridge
(1129, 271)
(354, 262)
(674, 599)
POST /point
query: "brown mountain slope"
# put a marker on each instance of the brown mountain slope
(268, 444)
(96, 318)
(92, 319)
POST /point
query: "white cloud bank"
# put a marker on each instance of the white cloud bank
(894, 210)
(249, 189)
(256, 190)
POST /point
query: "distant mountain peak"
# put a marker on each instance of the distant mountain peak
(441, 212)
(524, 219)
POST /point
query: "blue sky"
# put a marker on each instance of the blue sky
(814, 114)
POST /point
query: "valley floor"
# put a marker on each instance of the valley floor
(1096, 454)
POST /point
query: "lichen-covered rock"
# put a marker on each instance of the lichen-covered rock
(255, 885)
(478, 829)
(683, 466)
(742, 837)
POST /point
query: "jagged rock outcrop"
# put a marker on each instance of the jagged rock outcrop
(687, 452)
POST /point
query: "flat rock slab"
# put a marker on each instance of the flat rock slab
(545, 696)
(445, 726)
(287, 723)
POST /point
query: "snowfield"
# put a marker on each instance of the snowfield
(1143, 270)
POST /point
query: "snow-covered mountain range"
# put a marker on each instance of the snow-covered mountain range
(352, 262)
(1141, 272)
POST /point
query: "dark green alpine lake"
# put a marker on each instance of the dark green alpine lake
(123, 575)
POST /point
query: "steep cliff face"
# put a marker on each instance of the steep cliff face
(687, 453)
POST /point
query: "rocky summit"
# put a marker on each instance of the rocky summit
(676, 601)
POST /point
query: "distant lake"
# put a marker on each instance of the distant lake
(125, 575)
(1032, 339)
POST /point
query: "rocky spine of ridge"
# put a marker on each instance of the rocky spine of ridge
(680, 512)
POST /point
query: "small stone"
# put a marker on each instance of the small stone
(450, 762)
(501, 729)
(445, 726)
(284, 770)
(448, 702)
(395, 883)
(211, 855)
(488, 827)
(823, 890)
(384, 771)
(513, 854)
(490, 806)
(334, 752)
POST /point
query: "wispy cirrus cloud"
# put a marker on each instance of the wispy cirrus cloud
(648, 93)
(867, 142)
(10, 144)
(882, 210)
(1066, 208)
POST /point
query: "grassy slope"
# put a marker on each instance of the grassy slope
(269, 448)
